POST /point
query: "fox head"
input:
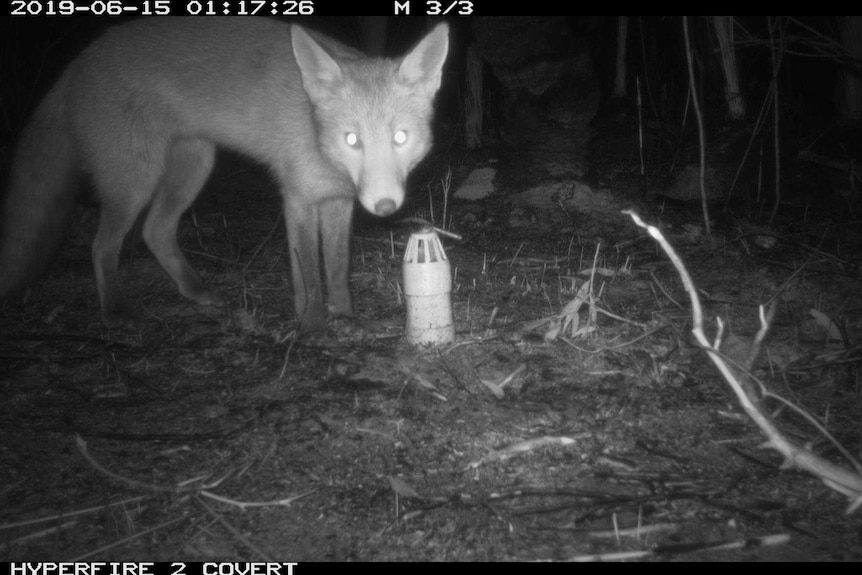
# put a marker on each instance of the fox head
(373, 116)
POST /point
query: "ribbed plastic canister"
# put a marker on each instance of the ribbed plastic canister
(428, 290)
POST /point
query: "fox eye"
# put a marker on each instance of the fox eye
(400, 137)
(351, 139)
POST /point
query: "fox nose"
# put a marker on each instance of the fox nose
(384, 207)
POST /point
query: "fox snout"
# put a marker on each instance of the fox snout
(383, 203)
(385, 207)
(381, 183)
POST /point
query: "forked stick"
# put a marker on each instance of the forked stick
(845, 481)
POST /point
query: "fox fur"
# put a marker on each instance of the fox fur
(143, 108)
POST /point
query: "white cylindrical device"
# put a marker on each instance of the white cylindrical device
(427, 290)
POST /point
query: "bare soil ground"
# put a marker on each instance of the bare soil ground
(210, 435)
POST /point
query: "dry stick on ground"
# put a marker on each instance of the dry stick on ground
(50, 531)
(219, 517)
(184, 487)
(846, 482)
(70, 514)
(132, 537)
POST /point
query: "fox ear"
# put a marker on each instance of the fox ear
(423, 66)
(319, 70)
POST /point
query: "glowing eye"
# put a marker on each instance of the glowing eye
(351, 139)
(400, 137)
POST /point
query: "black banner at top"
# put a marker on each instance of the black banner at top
(397, 8)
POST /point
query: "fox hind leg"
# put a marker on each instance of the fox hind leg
(188, 164)
(124, 189)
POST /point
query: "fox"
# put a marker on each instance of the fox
(143, 109)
